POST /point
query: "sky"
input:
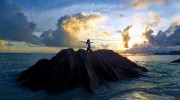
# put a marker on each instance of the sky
(131, 26)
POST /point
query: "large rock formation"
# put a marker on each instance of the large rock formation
(70, 69)
(176, 61)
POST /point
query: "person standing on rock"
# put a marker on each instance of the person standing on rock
(89, 45)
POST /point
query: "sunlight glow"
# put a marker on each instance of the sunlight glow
(136, 36)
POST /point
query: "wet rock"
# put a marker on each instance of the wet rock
(176, 61)
(70, 69)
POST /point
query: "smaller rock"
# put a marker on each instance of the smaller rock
(176, 61)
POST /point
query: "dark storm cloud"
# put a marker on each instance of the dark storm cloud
(171, 28)
(14, 25)
(58, 37)
(163, 39)
(174, 38)
(170, 37)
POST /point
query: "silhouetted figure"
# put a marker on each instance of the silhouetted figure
(89, 45)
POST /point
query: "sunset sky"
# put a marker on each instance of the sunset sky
(133, 26)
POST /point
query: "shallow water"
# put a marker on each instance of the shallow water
(161, 83)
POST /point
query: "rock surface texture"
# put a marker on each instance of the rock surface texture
(176, 61)
(70, 69)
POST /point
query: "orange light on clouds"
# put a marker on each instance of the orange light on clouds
(2, 43)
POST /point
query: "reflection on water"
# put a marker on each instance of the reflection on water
(167, 58)
(139, 95)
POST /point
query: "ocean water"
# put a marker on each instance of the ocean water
(162, 82)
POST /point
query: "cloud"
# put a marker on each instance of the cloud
(70, 29)
(148, 35)
(50, 16)
(59, 38)
(6, 47)
(101, 46)
(125, 36)
(81, 22)
(174, 38)
(170, 37)
(9, 44)
(155, 16)
(31, 45)
(150, 49)
(104, 46)
(121, 15)
(141, 48)
(152, 20)
(164, 41)
(2, 43)
(142, 4)
(171, 28)
(14, 25)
